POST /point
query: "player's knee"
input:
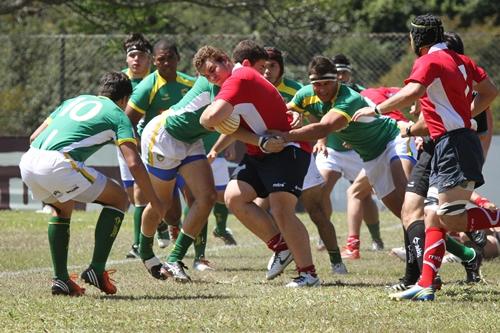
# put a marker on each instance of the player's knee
(207, 199)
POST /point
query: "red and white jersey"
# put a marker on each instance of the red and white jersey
(258, 103)
(449, 78)
(374, 96)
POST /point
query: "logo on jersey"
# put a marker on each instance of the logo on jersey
(165, 97)
(160, 158)
(57, 194)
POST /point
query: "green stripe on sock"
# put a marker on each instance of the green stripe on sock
(181, 246)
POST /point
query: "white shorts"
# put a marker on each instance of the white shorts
(53, 176)
(220, 169)
(378, 170)
(313, 177)
(348, 163)
(161, 150)
(125, 173)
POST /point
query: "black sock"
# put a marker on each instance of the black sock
(412, 271)
(416, 235)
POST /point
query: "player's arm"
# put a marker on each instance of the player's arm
(402, 99)
(39, 130)
(214, 114)
(415, 129)
(331, 122)
(486, 93)
(133, 115)
(141, 177)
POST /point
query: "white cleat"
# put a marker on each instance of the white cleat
(339, 268)
(278, 263)
(304, 280)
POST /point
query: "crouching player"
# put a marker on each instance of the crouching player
(54, 170)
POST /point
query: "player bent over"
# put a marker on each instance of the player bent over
(54, 170)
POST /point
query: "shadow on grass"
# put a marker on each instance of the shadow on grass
(353, 284)
(243, 269)
(166, 297)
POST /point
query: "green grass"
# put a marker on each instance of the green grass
(234, 298)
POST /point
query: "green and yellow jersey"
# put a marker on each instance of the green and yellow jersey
(82, 125)
(288, 88)
(154, 95)
(368, 136)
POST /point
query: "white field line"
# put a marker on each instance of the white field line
(213, 249)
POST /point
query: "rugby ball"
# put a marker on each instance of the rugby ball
(229, 125)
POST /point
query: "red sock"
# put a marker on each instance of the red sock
(353, 242)
(277, 243)
(480, 218)
(309, 269)
(433, 255)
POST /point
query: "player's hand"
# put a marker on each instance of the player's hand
(403, 127)
(297, 119)
(419, 143)
(211, 156)
(363, 112)
(320, 148)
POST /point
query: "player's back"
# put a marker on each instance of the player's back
(82, 125)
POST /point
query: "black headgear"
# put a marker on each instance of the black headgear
(426, 30)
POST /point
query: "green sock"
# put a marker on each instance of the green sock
(185, 211)
(374, 230)
(137, 223)
(460, 250)
(335, 257)
(106, 230)
(146, 247)
(181, 246)
(200, 243)
(59, 241)
(220, 212)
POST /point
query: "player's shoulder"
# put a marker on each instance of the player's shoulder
(292, 83)
(185, 79)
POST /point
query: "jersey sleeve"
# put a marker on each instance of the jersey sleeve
(423, 71)
(231, 90)
(124, 130)
(140, 98)
(349, 105)
(478, 73)
(297, 102)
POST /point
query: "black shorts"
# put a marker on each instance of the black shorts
(458, 158)
(419, 178)
(279, 172)
(482, 123)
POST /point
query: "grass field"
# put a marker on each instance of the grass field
(234, 298)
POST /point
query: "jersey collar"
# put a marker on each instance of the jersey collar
(438, 47)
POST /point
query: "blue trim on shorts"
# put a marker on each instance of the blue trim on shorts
(192, 158)
(162, 173)
(220, 187)
(128, 183)
(406, 157)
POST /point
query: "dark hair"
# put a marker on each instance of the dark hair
(276, 55)
(454, 42)
(167, 45)
(115, 85)
(342, 62)
(426, 30)
(250, 50)
(320, 66)
(137, 41)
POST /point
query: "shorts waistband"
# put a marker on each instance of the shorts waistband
(454, 133)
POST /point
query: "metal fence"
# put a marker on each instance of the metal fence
(37, 72)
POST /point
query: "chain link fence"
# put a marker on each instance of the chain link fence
(40, 71)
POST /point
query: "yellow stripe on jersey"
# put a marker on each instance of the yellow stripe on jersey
(75, 167)
(345, 114)
(159, 82)
(311, 100)
(48, 120)
(296, 108)
(152, 141)
(135, 107)
(184, 81)
(286, 89)
(119, 142)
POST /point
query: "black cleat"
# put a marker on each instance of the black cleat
(473, 268)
